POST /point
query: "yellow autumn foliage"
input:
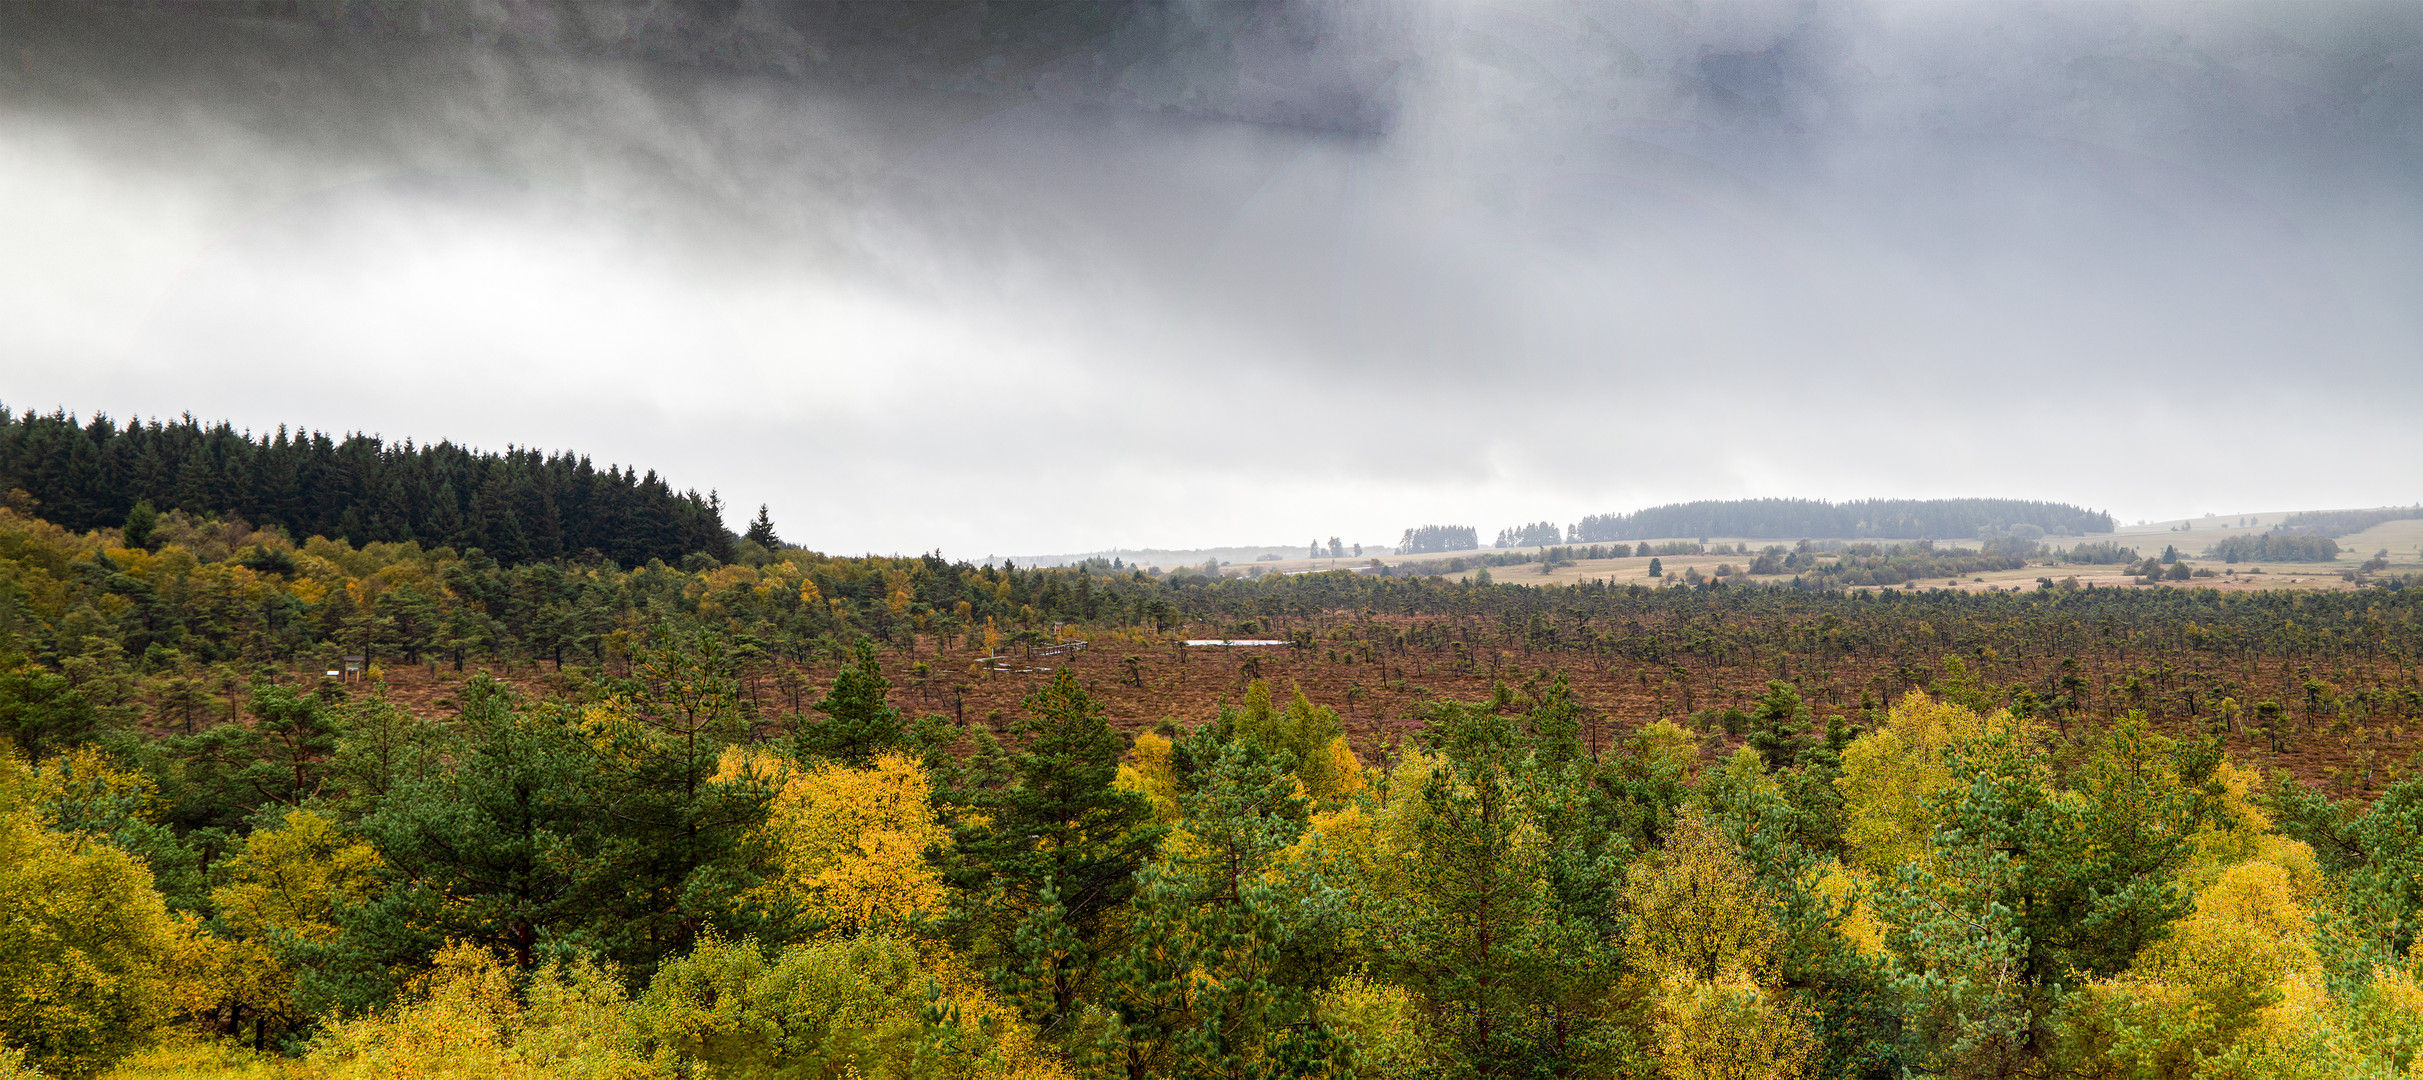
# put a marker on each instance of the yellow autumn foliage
(1699, 927)
(1342, 845)
(1324, 763)
(1342, 775)
(2239, 973)
(190, 1056)
(1846, 889)
(1147, 773)
(872, 1006)
(2242, 832)
(84, 941)
(848, 845)
(86, 776)
(214, 976)
(1731, 1029)
(285, 887)
(1384, 1026)
(1666, 743)
(291, 880)
(1402, 808)
(1695, 909)
(463, 1020)
(1889, 773)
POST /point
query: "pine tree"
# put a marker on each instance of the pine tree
(860, 721)
(1556, 725)
(1489, 936)
(1781, 721)
(519, 504)
(1042, 863)
(2026, 891)
(496, 850)
(1204, 987)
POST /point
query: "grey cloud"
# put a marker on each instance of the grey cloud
(1251, 269)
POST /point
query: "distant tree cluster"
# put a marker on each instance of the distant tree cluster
(2275, 547)
(1876, 564)
(1439, 538)
(2344, 522)
(2100, 553)
(1536, 534)
(1883, 519)
(517, 506)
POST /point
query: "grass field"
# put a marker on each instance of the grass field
(2403, 539)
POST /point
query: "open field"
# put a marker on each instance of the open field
(2403, 539)
(2201, 530)
(2192, 536)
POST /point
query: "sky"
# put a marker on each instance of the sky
(1041, 278)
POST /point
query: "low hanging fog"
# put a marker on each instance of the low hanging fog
(1039, 278)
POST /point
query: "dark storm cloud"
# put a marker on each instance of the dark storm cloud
(1041, 277)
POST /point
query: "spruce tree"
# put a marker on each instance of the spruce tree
(761, 531)
(140, 522)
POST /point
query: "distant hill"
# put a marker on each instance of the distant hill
(517, 506)
(1177, 557)
(1884, 519)
(2335, 523)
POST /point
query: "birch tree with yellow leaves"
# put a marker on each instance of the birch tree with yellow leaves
(848, 847)
(1700, 934)
(85, 941)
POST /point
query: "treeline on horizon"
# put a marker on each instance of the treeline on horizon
(517, 506)
(2337, 523)
(2275, 547)
(1424, 539)
(1788, 519)
(1878, 519)
(96, 635)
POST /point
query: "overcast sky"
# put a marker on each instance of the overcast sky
(1044, 278)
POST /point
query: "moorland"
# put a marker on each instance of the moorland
(336, 758)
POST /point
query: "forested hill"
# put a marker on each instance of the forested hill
(1886, 519)
(517, 506)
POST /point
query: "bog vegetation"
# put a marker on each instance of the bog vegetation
(733, 817)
